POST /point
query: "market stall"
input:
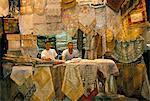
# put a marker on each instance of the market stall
(82, 50)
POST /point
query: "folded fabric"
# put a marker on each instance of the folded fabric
(26, 7)
(20, 74)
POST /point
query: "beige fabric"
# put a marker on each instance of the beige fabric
(26, 7)
(72, 85)
(39, 6)
(44, 84)
(20, 74)
(26, 24)
(4, 8)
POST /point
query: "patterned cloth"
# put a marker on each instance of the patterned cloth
(70, 20)
(39, 6)
(44, 85)
(128, 77)
(68, 4)
(20, 74)
(72, 84)
(87, 19)
(26, 7)
(26, 24)
(4, 8)
(127, 6)
(57, 76)
(127, 52)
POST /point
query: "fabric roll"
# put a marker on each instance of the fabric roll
(66, 4)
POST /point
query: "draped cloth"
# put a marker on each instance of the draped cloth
(127, 52)
(128, 77)
(72, 85)
(4, 8)
(20, 74)
(70, 20)
(87, 19)
(44, 85)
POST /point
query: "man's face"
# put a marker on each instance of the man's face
(47, 45)
(70, 46)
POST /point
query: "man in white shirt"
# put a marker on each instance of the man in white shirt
(48, 54)
(70, 53)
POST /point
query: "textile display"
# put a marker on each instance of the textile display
(72, 85)
(100, 17)
(26, 24)
(115, 5)
(53, 8)
(128, 77)
(87, 19)
(44, 85)
(127, 6)
(68, 4)
(98, 43)
(11, 25)
(90, 47)
(20, 74)
(108, 67)
(27, 89)
(1, 26)
(26, 7)
(39, 6)
(14, 7)
(54, 28)
(70, 20)
(88, 73)
(57, 76)
(138, 16)
(4, 8)
(7, 68)
(127, 52)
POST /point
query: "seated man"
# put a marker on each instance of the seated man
(70, 53)
(48, 54)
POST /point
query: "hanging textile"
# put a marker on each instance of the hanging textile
(128, 77)
(68, 4)
(87, 19)
(26, 7)
(39, 6)
(14, 7)
(4, 8)
(127, 52)
(133, 25)
(70, 20)
(115, 5)
(72, 85)
(39, 24)
(26, 24)
(90, 47)
(53, 17)
(127, 6)
(44, 85)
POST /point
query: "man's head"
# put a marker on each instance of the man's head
(70, 45)
(47, 45)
